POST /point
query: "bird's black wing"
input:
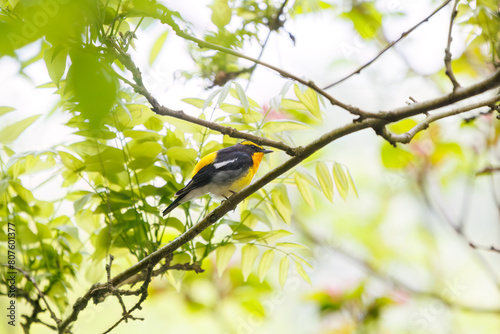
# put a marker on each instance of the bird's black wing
(232, 160)
(200, 179)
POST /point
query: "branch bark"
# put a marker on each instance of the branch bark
(405, 138)
(447, 52)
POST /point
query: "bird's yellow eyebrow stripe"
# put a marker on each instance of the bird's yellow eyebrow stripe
(207, 160)
(247, 142)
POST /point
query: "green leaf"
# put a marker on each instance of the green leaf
(325, 180)
(94, 85)
(223, 255)
(43, 231)
(224, 93)
(352, 184)
(271, 236)
(4, 110)
(231, 108)
(198, 103)
(284, 265)
(144, 150)
(221, 13)
(55, 61)
(242, 96)
(302, 272)
(249, 254)
(290, 245)
(395, 157)
(71, 162)
(366, 18)
(182, 154)
(279, 197)
(310, 100)
(304, 189)
(341, 181)
(210, 97)
(10, 133)
(284, 125)
(265, 263)
(157, 46)
(175, 223)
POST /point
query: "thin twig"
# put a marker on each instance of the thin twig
(144, 295)
(447, 52)
(485, 248)
(40, 293)
(403, 35)
(273, 26)
(438, 209)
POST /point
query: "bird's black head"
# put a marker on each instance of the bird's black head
(248, 145)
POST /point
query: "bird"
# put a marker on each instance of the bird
(222, 173)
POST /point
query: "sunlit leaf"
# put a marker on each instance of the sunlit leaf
(265, 263)
(242, 96)
(284, 265)
(223, 256)
(325, 180)
(210, 98)
(157, 46)
(279, 197)
(310, 100)
(198, 103)
(10, 133)
(55, 61)
(284, 125)
(304, 189)
(290, 245)
(352, 184)
(249, 254)
(224, 92)
(395, 157)
(175, 223)
(182, 154)
(366, 18)
(302, 272)
(221, 13)
(4, 110)
(341, 181)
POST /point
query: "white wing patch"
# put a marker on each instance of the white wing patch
(223, 163)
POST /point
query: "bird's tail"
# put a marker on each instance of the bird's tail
(173, 205)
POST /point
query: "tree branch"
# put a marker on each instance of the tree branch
(447, 53)
(166, 18)
(405, 138)
(179, 266)
(403, 35)
(139, 87)
(462, 93)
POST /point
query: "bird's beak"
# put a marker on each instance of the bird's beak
(266, 151)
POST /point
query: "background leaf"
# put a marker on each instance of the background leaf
(223, 255)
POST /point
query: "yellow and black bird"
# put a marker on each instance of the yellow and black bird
(222, 173)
